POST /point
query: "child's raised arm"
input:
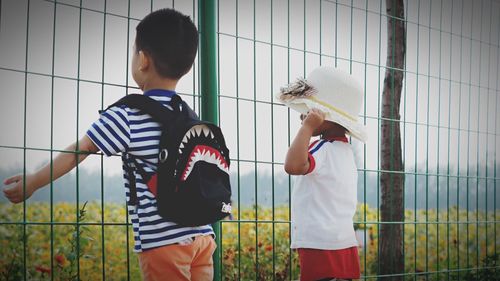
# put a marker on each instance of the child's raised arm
(62, 164)
(297, 161)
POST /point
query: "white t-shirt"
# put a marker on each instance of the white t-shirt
(324, 200)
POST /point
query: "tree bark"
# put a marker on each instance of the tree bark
(391, 177)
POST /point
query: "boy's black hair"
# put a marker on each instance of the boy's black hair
(171, 39)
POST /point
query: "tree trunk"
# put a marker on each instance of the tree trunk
(391, 177)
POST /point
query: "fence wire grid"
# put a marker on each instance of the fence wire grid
(61, 61)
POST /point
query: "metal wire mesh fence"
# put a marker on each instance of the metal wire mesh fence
(61, 61)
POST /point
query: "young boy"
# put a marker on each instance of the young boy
(165, 48)
(324, 196)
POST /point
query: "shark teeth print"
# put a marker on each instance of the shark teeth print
(195, 131)
(207, 154)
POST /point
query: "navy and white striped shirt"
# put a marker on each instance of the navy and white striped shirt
(123, 129)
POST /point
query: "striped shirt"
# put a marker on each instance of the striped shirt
(129, 131)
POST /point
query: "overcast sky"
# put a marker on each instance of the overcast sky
(450, 99)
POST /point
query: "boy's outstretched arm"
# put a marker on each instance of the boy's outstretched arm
(297, 160)
(62, 164)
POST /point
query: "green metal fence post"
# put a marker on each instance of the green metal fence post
(207, 23)
(208, 55)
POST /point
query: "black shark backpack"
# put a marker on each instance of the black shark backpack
(191, 183)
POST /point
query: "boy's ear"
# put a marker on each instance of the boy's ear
(144, 61)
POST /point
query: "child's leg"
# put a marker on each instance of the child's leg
(179, 262)
(320, 264)
(173, 261)
(202, 267)
(312, 266)
(334, 279)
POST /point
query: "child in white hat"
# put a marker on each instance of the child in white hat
(325, 192)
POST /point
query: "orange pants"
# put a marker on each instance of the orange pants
(180, 262)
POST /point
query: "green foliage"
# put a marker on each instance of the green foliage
(62, 250)
(68, 255)
(254, 248)
(12, 264)
(489, 270)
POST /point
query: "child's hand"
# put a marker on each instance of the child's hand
(314, 118)
(15, 193)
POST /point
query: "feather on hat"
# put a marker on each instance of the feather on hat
(332, 91)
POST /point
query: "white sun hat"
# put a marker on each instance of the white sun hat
(331, 90)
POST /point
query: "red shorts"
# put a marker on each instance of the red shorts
(318, 264)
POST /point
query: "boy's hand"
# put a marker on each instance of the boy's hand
(15, 193)
(62, 164)
(314, 118)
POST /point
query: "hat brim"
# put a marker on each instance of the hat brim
(303, 105)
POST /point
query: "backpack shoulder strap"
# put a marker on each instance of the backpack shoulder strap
(151, 106)
(159, 113)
